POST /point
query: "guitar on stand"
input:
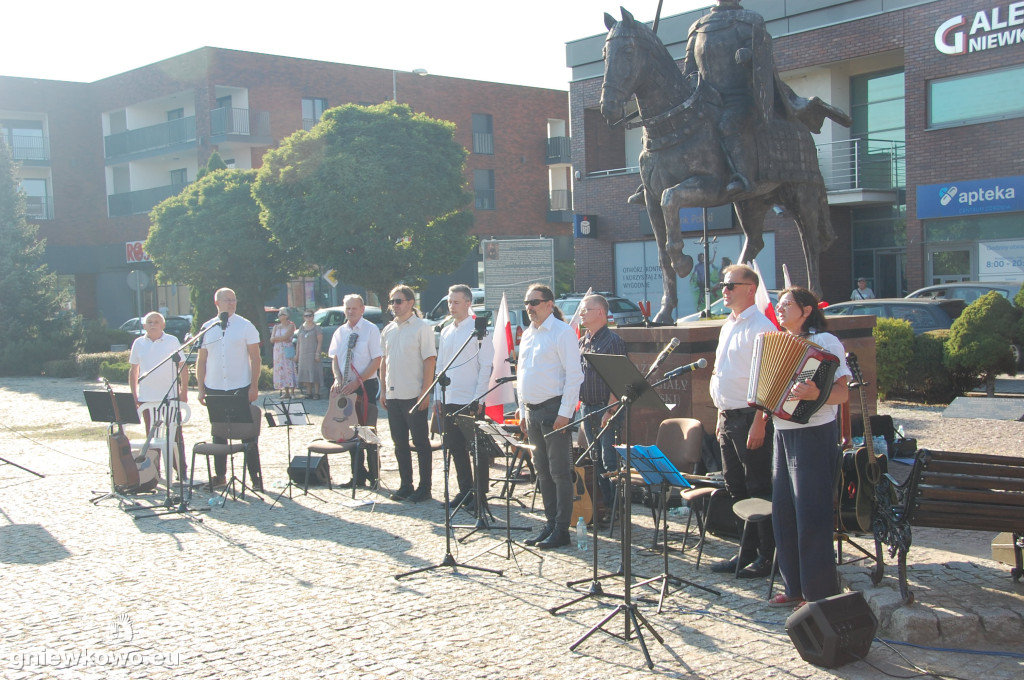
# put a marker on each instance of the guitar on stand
(340, 421)
(862, 469)
(124, 473)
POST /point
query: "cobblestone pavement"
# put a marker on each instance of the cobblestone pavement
(306, 589)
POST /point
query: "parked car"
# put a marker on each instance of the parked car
(968, 291)
(440, 310)
(924, 314)
(294, 315)
(621, 312)
(720, 311)
(178, 326)
(329, 319)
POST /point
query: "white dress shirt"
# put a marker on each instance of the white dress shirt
(472, 369)
(227, 353)
(148, 353)
(731, 376)
(548, 365)
(366, 350)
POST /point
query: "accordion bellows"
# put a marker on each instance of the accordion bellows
(781, 360)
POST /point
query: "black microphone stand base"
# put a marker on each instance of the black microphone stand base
(633, 622)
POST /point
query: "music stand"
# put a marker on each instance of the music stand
(632, 389)
(285, 413)
(657, 470)
(101, 410)
(232, 409)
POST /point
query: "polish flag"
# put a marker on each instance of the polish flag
(578, 314)
(762, 299)
(502, 338)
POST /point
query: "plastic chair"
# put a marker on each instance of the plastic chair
(237, 436)
(158, 434)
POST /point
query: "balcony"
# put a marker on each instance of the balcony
(140, 202)
(560, 205)
(483, 142)
(558, 150)
(863, 171)
(229, 124)
(39, 207)
(28, 148)
(152, 138)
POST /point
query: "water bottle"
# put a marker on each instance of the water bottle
(217, 501)
(581, 534)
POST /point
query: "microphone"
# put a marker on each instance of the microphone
(223, 321)
(502, 381)
(481, 327)
(676, 372)
(671, 347)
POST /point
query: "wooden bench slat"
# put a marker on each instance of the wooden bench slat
(982, 469)
(955, 521)
(974, 457)
(996, 499)
(971, 481)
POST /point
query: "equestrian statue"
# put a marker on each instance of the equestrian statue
(724, 129)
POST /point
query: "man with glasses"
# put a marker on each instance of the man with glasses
(594, 392)
(407, 370)
(741, 429)
(362, 381)
(549, 375)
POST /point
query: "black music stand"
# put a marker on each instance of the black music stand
(657, 470)
(632, 389)
(101, 410)
(285, 413)
(232, 409)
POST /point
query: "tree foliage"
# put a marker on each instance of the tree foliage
(375, 192)
(210, 236)
(979, 340)
(894, 349)
(34, 328)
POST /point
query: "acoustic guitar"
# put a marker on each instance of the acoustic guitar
(862, 469)
(582, 501)
(340, 420)
(122, 464)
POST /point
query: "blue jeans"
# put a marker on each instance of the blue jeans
(606, 457)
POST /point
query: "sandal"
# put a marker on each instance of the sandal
(783, 600)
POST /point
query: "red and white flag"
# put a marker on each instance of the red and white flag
(578, 314)
(502, 338)
(762, 299)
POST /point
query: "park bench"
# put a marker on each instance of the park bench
(950, 490)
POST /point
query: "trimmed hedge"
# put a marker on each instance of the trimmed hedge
(89, 365)
(894, 349)
(116, 372)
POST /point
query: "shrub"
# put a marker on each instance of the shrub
(979, 340)
(894, 348)
(99, 338)
(115, 372)
(89, 364)
(60, 368)
(57, 338)
(927, 378)
(266, 378)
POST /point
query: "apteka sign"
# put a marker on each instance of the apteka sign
(997, 27)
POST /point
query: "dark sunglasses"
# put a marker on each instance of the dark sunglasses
(307, 315)
(532, 303)
(397, 301)
(733, 284)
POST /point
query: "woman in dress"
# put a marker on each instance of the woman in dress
(806, 459)
(284, 365)
(307, 355)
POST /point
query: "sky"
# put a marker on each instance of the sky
(521, 42)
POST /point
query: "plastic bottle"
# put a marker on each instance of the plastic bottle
(217, 501)
(581, 534)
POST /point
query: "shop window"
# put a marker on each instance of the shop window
(976, 97)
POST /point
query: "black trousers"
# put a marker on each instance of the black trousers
(402, 423)
(252, 446)
(748, 473)
(366, 466)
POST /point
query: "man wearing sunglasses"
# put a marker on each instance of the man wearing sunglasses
(741, 429)
(549, 375)
(407, 370)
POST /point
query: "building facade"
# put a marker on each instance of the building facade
(96, 157)
(925, 187)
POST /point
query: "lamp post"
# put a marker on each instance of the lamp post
(394, 81)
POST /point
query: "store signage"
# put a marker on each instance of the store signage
(583, 226)
(133, 252)
(970, 197)
(997, 27)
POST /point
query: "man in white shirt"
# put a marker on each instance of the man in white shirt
(407, 371)
(469, 376)
(862, 292)
(742, 429)
(229, 364)
(549, 375)
(360, 379)
(147, 352)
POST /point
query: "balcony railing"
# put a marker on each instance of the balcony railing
(140, 202)
(867, 164)
(484, 199)
(230, 121)
(483, 142)
(308, 123)
(153, 137)
(560, 199)
(39, 207)
(28, 147)
(558, 150)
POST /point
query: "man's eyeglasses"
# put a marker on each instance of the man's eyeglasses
(397, 301)
(533, 303)
(308, 316)
(732, 284)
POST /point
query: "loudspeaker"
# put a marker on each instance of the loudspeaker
(833, 631)
(319, 472)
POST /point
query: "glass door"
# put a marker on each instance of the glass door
(949, 265)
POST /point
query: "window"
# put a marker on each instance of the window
(483, 133)
(312, 110)
(25, 139)
(179, 177)
(175, 114)
(976, 98)
(483, 186)
(37, 199)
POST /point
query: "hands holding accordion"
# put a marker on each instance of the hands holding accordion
(803, 391)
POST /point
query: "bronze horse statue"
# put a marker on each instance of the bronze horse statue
(683, 164)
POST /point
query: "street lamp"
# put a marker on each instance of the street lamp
(394, 81)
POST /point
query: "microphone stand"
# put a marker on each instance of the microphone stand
(449, 560)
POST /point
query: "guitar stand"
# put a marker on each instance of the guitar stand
(101, 410)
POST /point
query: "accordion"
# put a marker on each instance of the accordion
(781, 360)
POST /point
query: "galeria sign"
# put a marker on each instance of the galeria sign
(1000, 26)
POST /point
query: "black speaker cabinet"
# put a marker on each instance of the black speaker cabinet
(319, 472)
(833, 631)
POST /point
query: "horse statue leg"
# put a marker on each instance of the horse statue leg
(750, 214)
(669, 298)
(808, 202)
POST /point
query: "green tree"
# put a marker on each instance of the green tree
(979, 340)
(210, 236)
(214, 163)
(34, 328)
(375, 192)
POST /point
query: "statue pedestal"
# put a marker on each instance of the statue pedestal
(688, 394)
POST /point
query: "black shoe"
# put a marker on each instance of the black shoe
(759, 568)
(557, 539)
(542, 536)
(352, 484)
(458, 498)
(421, 494)
(402, 494)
